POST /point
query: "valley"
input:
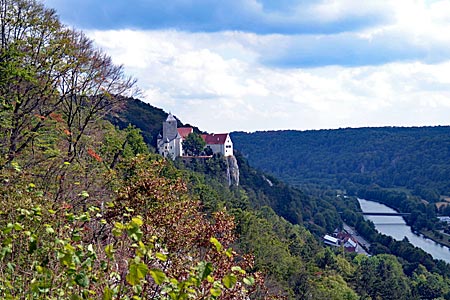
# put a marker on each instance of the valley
(104, 196)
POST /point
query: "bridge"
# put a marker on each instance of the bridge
(385, 214)
(393, 223)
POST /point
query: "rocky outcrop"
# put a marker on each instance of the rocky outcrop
(232, 171)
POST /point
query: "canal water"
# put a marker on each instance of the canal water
(396, 227)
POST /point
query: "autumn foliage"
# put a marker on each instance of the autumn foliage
(85, 211)
(152, 241)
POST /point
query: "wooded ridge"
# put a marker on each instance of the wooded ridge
(414, 158)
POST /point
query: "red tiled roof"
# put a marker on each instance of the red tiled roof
(215, 139)
(185, 131)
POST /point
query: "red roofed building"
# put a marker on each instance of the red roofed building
(219, 143)
(348, 241)
(185, 131)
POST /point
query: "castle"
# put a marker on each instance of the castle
(170, 143)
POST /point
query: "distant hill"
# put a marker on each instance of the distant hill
(415, 158)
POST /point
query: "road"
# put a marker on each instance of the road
(361, 241)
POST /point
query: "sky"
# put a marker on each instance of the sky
(251, 65)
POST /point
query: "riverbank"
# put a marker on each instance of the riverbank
(428, 234)
(396, 227)
(444, 241)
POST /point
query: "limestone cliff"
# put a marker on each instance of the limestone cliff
(232, 171)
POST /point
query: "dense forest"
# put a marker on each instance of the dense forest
(415, 159)
(89, 212)
(404, 168)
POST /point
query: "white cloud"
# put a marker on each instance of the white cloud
(191, 75)
(219, 82)
(335, 10)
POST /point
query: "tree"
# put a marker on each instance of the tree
(333, 287)
(55, 87)
(194, 144)
(429, 285)
(32, 49)
(51, 72)
(381, 277)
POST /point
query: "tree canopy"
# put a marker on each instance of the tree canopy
(193, 144)
(413, 158)
(51, 74)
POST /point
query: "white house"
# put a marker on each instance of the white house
(170, 143)
(219, 143)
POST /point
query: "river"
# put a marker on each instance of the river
(396, 227)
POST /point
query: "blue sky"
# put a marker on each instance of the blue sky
(262, 17)
(259, 64)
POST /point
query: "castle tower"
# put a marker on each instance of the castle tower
(170, 143)
(170, 128)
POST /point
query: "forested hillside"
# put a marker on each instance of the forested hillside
(316, 209)
(88, 212)
(143, 116)
(412, 158)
